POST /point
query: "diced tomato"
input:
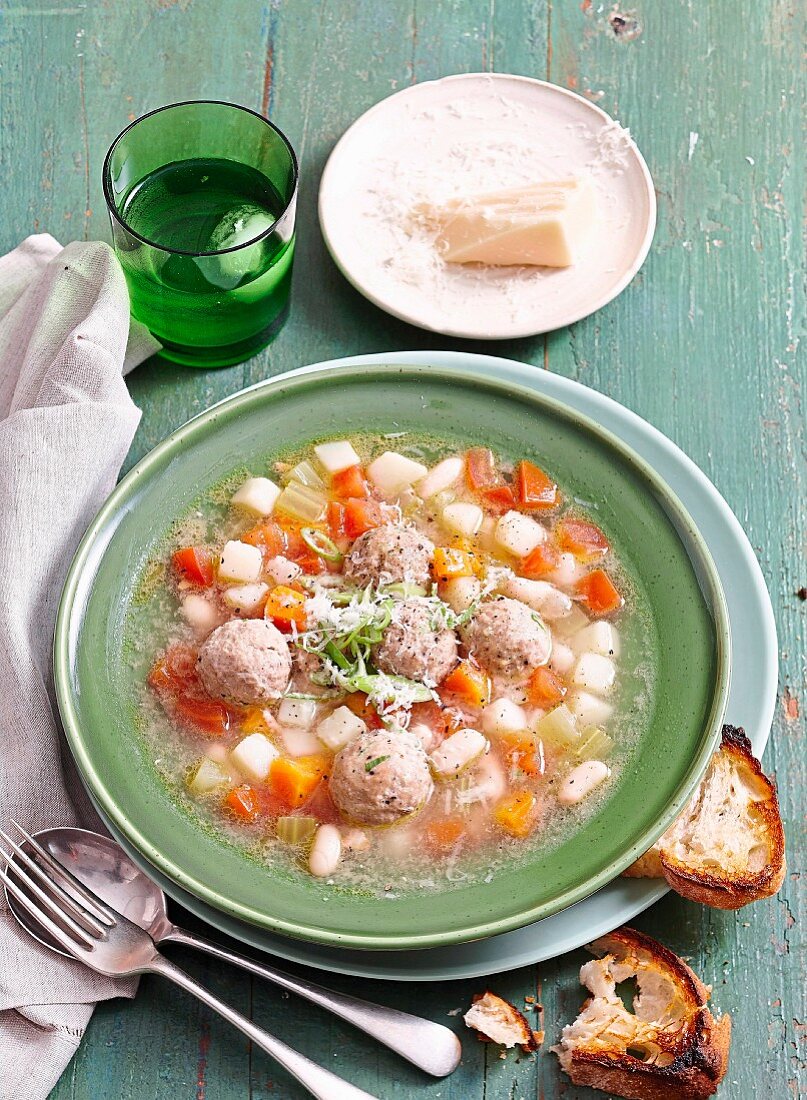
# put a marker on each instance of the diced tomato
(336, 519)
(445, 833)
(536, 491)
(357, 702)
(599, 593)
(545, 688)
(298, 551)
(518, 813)
(449, 562)
(350, 483)
(444, 720)
(522, 750)
(294, 781)
(499, 498)
(320, 805)
(539, 562)
(582, 538)
(194, 564)
(175, 671)
(268, 536)
(480, 469)
(243, 803)
(205, 715)
(469, 684)
(361, 516)
(285, 606)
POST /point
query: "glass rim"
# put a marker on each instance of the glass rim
(106, 175)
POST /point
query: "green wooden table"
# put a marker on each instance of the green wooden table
(704, 344)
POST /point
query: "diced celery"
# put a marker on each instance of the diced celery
(296, 830)
(305, 474)
(206, 775)
(302, 502)
(594, 744)
(558, 726)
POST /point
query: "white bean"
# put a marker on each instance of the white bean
(324, 856)
(581, 781)
(355, 840)
(562, 657)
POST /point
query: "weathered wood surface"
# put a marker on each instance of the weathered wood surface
(704, 344)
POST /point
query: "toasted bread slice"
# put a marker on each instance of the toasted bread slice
(497, 1021)
(669, 1048)
(728, 847)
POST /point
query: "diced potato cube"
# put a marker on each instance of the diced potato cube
(518, 534)
(257, 495)
(581, 781)
(541, 596)
(504, 716)
(462, 518)
(297, 712)
(207, 776)
(460, 592)
(240, 562)
(340, 727)
(300, 742)
(199, 613)
(588, 709)
(457, 752)
(594, 672)
(246, 598)
(598, 637)
(440, 477)
(392, 472)
(562, 658)
(253, 756)
(337, 456)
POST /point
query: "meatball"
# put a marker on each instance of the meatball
(507, 638)
(245, 661)
(380, 777)
(389, 554)
(414, 647)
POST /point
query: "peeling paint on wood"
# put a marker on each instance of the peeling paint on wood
(705, 344)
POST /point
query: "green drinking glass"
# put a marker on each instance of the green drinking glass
(202, 198)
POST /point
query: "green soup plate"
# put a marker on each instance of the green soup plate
(671, 575)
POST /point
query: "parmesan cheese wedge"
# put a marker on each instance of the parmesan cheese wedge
(543, 224)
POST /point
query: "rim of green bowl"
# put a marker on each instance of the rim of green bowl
(699, 553)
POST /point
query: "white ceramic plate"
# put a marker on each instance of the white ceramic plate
(751, 703)
(462, 135)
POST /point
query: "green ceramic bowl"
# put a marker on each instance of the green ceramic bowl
(650, 530)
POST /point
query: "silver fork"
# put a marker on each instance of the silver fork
(89, 930)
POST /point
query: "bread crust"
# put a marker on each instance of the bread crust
(696, 1051)
(719, 886)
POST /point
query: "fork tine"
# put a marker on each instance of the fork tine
(74, 908)
(61, 874)
(78, 933)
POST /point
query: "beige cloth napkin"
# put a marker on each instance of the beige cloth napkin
(66, 423)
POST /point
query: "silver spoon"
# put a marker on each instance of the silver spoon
(105, 869)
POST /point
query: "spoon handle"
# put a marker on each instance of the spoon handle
(432, 1047)
(320, 1082)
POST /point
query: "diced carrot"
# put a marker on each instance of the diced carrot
(536, 491)
(445, 833)
(268, 536)
(467, 546)
(480, 469)
(539, 562)
(582, 538)
(294, 781)
(350, 483)
(243, 803)
(361, 516)
(599, 593)
(285, 606)
(254, 721)
(357, 702)
(206, 715)
(449, 563)
(469, 684)
(522, 750)
(336, 519)
(499, 498)
(175, 671)
(545, 688)
(518, 813)
(194, 564)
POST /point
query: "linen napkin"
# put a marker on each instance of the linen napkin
(66, 423)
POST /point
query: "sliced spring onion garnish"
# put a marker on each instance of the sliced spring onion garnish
(405, 589)
(368, 767)
(321, 544)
